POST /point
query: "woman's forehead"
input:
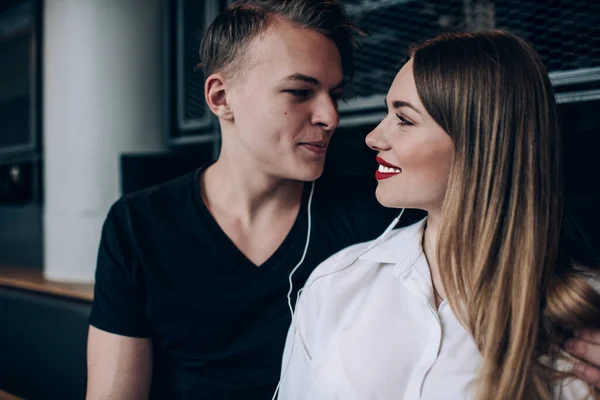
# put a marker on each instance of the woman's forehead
(403, 87)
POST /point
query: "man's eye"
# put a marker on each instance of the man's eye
(337, 96)
(299, 93)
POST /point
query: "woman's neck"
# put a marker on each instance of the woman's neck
(430, 250)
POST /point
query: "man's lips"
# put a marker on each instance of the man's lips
(386, 170)
(317, 147)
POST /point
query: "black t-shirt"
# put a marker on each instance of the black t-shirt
(218, 323)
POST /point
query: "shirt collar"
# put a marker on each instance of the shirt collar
(399, 245)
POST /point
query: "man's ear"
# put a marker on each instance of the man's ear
(215, 94)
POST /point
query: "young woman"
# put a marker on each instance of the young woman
(475, 301)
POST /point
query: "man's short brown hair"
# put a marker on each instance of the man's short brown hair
(233, 30)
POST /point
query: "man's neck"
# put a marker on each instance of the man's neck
(247, 193)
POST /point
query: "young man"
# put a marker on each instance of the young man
(192, 276)
(192, 279)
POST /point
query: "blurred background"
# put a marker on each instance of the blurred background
(100, 98)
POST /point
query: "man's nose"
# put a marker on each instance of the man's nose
(326, 114)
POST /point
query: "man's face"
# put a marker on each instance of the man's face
(285, 106)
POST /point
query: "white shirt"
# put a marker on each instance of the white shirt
(366, 327)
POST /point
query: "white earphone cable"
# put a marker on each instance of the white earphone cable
(293, 325)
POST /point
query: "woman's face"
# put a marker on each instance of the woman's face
(414, 152)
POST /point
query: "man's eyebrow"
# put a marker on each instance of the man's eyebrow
(304, 78)
(399, 103)
(310, 80)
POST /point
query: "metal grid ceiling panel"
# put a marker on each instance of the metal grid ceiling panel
(392, 25)
(566, 33)
(194, 107)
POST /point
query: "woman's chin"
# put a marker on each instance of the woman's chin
(387, 199)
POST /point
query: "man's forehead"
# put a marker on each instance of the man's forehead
(287, 50)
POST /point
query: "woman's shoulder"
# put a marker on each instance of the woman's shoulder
(355, 263)
(339, 288)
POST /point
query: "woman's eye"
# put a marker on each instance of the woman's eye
(403, 121)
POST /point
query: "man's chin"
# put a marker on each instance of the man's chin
(305, 173)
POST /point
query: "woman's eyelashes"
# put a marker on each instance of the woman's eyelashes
(403, 120)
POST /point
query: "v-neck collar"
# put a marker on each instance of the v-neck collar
(227, 245)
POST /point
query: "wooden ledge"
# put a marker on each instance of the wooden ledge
(33, 280)
(8, 396)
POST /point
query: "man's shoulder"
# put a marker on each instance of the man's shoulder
(168, 191)
(165, 199)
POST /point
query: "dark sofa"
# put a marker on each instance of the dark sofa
(42, 345)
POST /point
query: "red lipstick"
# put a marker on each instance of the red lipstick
(386, 170)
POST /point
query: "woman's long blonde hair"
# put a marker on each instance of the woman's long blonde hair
(504, 265)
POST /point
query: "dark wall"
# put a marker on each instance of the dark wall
(21, 235)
